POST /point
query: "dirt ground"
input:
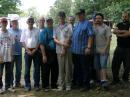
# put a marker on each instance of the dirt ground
(120, 90)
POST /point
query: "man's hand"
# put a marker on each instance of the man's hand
(63, 52)
(28, 52)
(88, 51)
(44, 58)
(33, 52)
(103, 51)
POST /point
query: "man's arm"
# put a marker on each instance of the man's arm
(44, 57)
(108, 42)
(90, 44)
(57, 41)
(125, 34)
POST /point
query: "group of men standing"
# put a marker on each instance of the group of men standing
(64, 55)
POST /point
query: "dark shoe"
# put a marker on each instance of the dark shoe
(115, 82)
(37, 89)
(18, 86)
(46, 89)
(27, 89)
(54, 87)
(104, 85)
(84, 89)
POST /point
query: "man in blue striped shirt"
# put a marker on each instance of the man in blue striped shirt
(82, 40)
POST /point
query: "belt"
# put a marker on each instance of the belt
(31, 49)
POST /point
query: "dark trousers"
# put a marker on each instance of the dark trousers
(7, 74)
(121, 55)
(81, 73)
(93, 75)
(17, 62)
(50, 69)
(41, 68)
(36, 69)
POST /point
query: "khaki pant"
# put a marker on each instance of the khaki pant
(65, 70)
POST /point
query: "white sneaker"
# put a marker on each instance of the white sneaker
(60, 89)
(1, 91)
(68, 88)
(11, 90)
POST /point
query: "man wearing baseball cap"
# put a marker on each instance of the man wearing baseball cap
(62, 38)
(6, 45)
(82, 39)
(17, 52)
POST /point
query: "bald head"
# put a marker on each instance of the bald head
(41, 22)
(125, 16)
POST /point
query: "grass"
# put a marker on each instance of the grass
(114, 91)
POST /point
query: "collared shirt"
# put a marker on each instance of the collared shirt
(6, 44)
(46, 38)
(123, 42)
(17, 47)
(81, 32)
(30, 37)
(101, 33)
(41, 29)
(62, 33)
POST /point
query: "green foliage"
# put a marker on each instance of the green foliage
(9, 7)
(114, 11)
(110, 8)
(60, 5)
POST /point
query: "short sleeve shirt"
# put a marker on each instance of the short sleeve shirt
(17, 47)
(62, 33)
(6, 44)
(46, 38)
(102, 33)
(123, 42)
(81, 32)
(30, 37)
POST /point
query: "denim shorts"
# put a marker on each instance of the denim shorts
(100, 61)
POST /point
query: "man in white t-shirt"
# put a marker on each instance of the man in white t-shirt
(29, 38)
(6, 43)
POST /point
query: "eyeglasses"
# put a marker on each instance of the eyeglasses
(4, 21)
(30, 21)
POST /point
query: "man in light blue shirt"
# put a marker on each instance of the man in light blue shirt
(17, 52)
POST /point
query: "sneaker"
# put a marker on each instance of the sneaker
(18, 86)
(68, 88)
(46, 89)
(11, 90)
(104, 84)
(1, 91)
(60, 89)
(27, 89)
(37, 89)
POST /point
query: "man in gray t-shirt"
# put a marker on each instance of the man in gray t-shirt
(102, 46)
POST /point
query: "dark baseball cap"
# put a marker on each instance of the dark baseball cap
(61, 14)
(49, 19)
(80, 11)
(3, 19)
(30, 19)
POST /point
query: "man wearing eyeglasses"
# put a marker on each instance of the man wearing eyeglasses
(29, 38)
(6, 43)
(17, 52)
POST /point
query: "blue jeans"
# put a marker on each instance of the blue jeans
(7, 74)
(17, 61)
(100, 61)
(36, 73)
